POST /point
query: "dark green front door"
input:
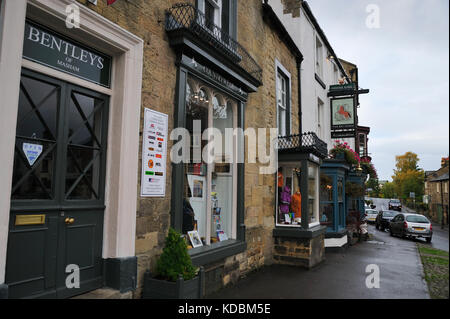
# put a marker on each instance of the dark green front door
(58, 190)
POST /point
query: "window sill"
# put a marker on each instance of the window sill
(299, 232)
(217, 251)
(319, 80)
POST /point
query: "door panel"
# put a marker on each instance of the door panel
(58, 194)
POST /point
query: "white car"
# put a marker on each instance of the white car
(371, 215)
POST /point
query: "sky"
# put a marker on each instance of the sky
(404, 61)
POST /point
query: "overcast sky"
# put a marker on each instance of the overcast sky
(405, 64)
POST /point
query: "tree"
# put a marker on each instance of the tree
(388, 190)
(374, 186)
(408, 176)
(406, 162)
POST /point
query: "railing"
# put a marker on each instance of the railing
(306, 142)
(185, 16)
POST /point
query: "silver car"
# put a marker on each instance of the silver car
(411, 225)
(371, 215)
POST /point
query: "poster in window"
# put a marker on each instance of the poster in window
(154, 154)
(343, 113)
(195, 239)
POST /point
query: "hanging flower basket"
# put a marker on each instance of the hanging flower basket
(368, 169)
(343, 151)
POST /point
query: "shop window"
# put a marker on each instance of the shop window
(210, 183)
(326, 201)
(290, 195)
(313, 193)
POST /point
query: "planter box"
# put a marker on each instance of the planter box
(162, 289)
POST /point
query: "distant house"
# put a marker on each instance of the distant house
(436, 192)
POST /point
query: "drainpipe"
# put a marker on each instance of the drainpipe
(442, 208)
(300, 127)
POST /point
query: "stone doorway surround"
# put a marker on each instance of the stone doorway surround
(124, 119)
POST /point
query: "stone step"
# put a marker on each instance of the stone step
(105, 293)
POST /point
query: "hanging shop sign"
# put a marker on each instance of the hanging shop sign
(343, 113)
(343, 87)
(343, 134)
(48, 48)
(154, 154)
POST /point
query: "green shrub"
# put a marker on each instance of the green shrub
(175, 259)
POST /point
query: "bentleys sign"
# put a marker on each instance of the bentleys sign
(53, 50)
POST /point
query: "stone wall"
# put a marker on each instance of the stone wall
(146, 20)
(303, 252)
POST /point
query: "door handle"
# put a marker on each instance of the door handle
(69, 221)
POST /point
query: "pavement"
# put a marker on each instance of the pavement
(342, 275)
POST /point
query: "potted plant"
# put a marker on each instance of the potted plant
(176, 277)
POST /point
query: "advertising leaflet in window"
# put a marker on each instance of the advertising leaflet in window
(154, 154)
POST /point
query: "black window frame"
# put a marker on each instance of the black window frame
(217, 251)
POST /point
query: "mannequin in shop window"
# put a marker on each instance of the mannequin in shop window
(296, 204)
(284, 203)
(280, 181)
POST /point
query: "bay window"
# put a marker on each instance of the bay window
(297, 201)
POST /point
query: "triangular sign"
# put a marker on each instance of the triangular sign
(32, 152)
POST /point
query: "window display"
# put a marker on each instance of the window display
(326, 201)
(313, 193)
(289, 197)
(210, 186)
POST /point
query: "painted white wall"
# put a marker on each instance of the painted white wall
(304, 35)
(10, 64)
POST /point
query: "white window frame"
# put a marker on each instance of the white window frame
(282, 73)
(217, 4)
(319, 56)
(320, 107)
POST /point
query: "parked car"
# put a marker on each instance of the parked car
(395, 204)
(371, 215)
(384, 218)
(411, 225)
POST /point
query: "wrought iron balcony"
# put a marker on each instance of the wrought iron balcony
(184, 16)
(304, 143)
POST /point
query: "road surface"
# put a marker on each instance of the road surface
(440, 236)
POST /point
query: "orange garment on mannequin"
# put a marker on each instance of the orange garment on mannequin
(280, 179)
(296, 204)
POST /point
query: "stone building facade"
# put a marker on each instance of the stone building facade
(253, 67)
